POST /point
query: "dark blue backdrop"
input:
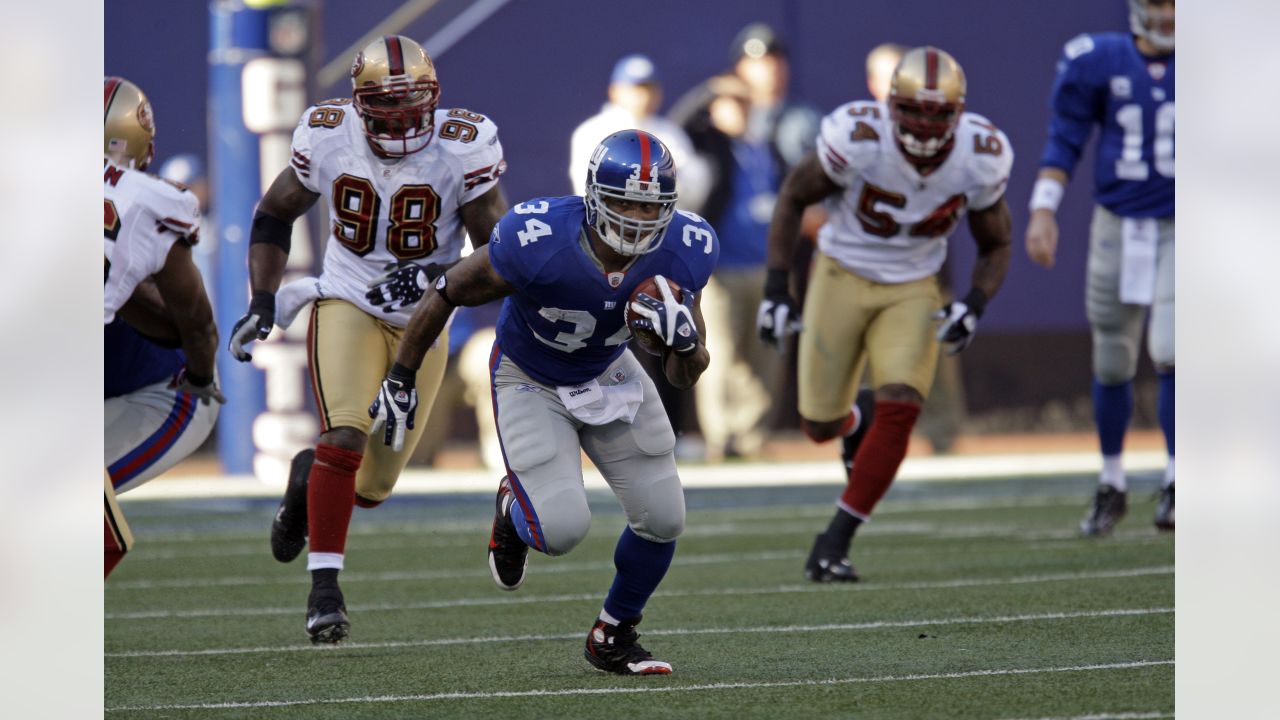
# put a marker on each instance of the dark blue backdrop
(538, 67)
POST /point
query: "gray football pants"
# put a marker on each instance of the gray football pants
(543, 445)
(1117, 326)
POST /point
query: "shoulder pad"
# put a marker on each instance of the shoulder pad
(327, 114)
(174, 207)
(850, 136)
(989, 147)
(465, 130)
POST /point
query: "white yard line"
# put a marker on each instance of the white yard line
(995, 672)
(489, 600)
(488, 640)
(1155, 715)
(823, 472)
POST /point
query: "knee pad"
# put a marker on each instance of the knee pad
(1115, 357)
(565, 519)
(662, 519)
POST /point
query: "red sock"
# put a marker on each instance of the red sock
(882, 451)
(331, 490)
(113, 549)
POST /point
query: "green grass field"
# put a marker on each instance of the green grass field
(977, 601)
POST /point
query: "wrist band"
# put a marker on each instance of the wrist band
(442, 289)
(1047, 195)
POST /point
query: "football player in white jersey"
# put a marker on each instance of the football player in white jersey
(159, 400)
(405, 182)
(896, 178)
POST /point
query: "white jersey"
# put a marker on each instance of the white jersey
(383, 211)
(891, 223)
(143, 216)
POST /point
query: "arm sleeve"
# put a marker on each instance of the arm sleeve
(1076, 105)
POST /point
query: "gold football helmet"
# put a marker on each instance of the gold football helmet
(395, 90)
(926, 98)
(129, 129)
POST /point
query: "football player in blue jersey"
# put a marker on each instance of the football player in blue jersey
(563, 380)
(1123, 83)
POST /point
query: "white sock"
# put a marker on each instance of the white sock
(605, 616)
(1168, 475)
(1113, 473)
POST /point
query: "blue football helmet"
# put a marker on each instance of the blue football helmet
(630, 165)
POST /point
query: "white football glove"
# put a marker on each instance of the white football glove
(395, 406)
(256, 324)
(670, 319)
(777, 317)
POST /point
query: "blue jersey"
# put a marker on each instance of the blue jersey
(564, 324)
(132, 361)
(1103, 80)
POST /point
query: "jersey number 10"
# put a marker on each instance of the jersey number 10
(1131, 166)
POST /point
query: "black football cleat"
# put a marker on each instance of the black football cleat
(866, 404)
(508, 555)
(613, 648)
(327, 615)
(1108, 508)
(1164, 509)
(828, 563)
(289, 529)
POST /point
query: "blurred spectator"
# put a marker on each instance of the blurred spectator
(188, 170)
(881, 62)
(635, 94)
(466, 383)
(750, 134)
(735, 393)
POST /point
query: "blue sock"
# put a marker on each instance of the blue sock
(641, 566)
(1112, 408)
(1164, 405)
(522, 526)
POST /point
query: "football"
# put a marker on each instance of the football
(647, 340)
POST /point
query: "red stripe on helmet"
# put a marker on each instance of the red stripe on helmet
(109, 89)
(394, 54)
(644, 155)
(931, 69)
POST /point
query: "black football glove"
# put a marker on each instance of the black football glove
(959, 320)
(255, 325)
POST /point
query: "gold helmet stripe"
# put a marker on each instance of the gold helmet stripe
(395, 55)
(109, 91)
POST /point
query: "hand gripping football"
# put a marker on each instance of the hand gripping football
(647, 339)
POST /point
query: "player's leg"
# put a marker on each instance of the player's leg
(541, 503)
(473, 369)
(829, 365)
(754, 372)
(903, 354)
(117, 539)
(150, 430)
(1117, 332)
(382, 465)
(1160, 342)
(345, 352)
(637, 459)
(712, 391)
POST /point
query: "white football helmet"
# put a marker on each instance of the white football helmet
(1152, 20)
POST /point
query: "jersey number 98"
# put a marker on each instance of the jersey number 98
(356, 209)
